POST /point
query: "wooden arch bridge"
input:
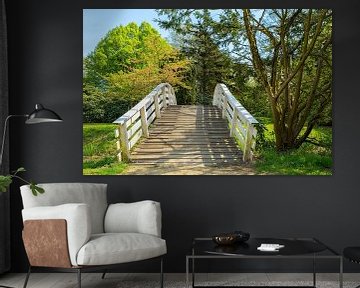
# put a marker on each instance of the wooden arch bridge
(158, 131)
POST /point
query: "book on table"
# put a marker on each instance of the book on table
(270, 247)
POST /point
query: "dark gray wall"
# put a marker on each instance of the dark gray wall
(45, 49)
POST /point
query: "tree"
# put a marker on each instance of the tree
(291, 54)
(125, 48)
(124, 67)
(209, 65)
(246, 87)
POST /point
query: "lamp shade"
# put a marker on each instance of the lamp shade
(42, 115)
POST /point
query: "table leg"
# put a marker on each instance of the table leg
(187, 272)
(314, 271)
(193, 272)
(193, 266)
(341, 273)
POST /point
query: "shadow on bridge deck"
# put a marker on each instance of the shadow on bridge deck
(189, 140)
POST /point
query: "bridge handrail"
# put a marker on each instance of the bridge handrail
(242, 123)
(135, 122)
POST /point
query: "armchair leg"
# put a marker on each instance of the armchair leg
(103, 275)
(161, 273)
(79, 277)
(27, 277)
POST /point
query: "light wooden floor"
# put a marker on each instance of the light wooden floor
(115, 280)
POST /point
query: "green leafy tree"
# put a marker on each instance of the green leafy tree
(124, 67)
(209, 65)
(246, 87)
(122, 49)
(291, 54)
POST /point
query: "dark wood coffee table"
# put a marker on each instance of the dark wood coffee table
(294, 248)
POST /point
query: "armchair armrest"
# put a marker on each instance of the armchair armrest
(138, 217)
(78, 225)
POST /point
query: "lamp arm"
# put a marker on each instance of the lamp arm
(4, 134)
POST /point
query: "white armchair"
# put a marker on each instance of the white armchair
(72, 228)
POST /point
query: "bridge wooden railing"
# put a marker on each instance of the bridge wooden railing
(135, 123)
(241, 122)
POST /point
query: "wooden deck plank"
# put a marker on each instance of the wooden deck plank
(185, 160)
(177, 145)
(159, 149)
(176, 153)
(188, 128)
(190, 137)
(189, 133)
(211, 157)
(213, 142)
(199, 120)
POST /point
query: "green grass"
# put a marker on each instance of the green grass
(309, 159)
(112, 169)
(99, 139)
(99, 150)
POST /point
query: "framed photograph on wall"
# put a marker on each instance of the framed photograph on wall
(207, 92)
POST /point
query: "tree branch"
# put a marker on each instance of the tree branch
(304, 56)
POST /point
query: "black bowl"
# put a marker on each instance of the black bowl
(231, 238)
(225, 239)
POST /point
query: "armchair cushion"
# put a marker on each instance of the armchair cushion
(113, 248)
(78, 221)
(92, 194)
(138, 217)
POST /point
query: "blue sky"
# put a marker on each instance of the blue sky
(97, 22)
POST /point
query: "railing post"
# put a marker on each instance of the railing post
(124, 142)
(164, 93)
(173, 96)
(234, 122)
(248, 139)
(216, 97)
(144, 122)
(118, 145)
(224, 107)
(157, 106)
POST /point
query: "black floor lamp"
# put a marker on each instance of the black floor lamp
(39, 115)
